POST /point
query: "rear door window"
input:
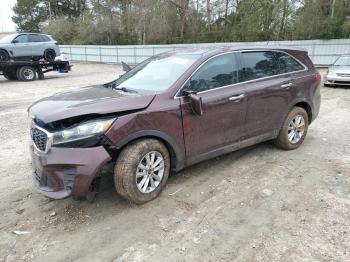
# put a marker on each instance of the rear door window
(217, 72)
(259, 64)
(35, 38)
(22, 39)
(287, 63)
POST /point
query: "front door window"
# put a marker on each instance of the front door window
(217, 72)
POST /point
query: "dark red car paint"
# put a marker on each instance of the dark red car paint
(84, 163)
(225, 125)
(88, 100)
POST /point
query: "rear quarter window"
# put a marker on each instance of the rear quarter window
(45, 38)
(288, 64)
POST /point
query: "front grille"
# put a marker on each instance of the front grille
(39, 138)
(37, 176)
(343, 75)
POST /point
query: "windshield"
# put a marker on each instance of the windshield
(7, 39)
(343, 61)
(157, 73)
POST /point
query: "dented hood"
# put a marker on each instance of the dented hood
(85, 101)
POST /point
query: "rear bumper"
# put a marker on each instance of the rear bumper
(64, 172)
(316, 104)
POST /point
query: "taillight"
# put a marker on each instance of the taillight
(318, 77)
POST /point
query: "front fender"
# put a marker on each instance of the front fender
(177, 155)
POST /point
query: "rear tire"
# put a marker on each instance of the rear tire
(4, 56)
(49, 55)
(26, 73)
(153, 158)
(294, 129)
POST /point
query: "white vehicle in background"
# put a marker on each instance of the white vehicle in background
(28, 46)
(339, 73)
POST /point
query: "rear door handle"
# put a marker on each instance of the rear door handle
(287, 85)
(237, 97)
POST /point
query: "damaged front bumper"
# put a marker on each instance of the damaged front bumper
(64, 172)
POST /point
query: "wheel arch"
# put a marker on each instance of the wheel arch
(49, 49)
(307, 107)
(7, 51)
(176, 154)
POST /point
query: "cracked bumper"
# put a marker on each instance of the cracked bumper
(64, 172)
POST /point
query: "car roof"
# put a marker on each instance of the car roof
(212, 50)
(29, 33)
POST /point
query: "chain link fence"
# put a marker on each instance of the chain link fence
(321, 52)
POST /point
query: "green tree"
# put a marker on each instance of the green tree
(183, 21)
(322, 19)
(70, 9)
(28, 15)
(64, 30)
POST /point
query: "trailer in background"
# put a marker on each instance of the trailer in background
(31, 70)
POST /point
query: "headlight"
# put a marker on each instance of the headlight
(85, 130)
(331, 73)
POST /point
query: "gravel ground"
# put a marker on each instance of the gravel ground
(256, 204)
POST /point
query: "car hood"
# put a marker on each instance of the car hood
(340, 69)
(85, 101)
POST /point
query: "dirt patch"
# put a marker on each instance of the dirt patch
(256, 204)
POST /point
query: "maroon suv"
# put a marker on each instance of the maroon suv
(171, 111)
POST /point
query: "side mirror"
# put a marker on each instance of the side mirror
(14, 41)
(196, 104)
(126, 67)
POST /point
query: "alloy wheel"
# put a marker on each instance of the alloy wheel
(149, 172)
(296, 129)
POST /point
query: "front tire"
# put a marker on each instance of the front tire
(142, 170)
(4, 56)
(294, 129)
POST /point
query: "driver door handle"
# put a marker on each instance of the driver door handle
(287, 85)
(237, 97)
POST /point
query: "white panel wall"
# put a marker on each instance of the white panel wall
(322, 52)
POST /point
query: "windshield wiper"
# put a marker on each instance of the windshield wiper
(124, 89)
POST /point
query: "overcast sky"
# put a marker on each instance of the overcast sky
(6, 23)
